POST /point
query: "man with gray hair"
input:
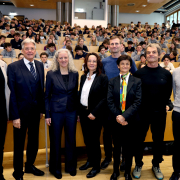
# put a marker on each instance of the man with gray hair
(156, 91)
(26, 82)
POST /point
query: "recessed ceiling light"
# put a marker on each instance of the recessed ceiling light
(31, 4)
(137, 11)
(144, 5)
(3, 3)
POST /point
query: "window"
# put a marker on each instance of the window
(174, 16)
(178, 16)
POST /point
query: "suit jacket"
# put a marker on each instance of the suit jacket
(21, 98)
(97, 100)
(57, 97)
(133, 98)
(3, 67)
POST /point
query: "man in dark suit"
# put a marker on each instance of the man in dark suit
(26, 82)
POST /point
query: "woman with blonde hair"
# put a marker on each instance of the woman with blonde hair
(60, 111)
(93, 41)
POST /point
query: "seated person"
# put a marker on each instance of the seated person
(137, 53)
(8, 52)
(51, 50)
(7, 29)
(172, 48)
(177, 41)
(80, 54)
(2, 41)
(52, 37)
(20, 56)
(102, 53)
(152, 39)
(71, 50)
(141, 65)
(128, 38)
(139, 38)
(16, 42)
(162, 43)
(68, 43)
(2, 25)
(89, 35)
(73, 37)
(167, 64)
(105, 36)
(130, 47)
(93, 41)
(81, 44)
(167, 36)
(12, 33)
(86, 31)
(172, 56)
(143, 58)
(106, 44)
(44, 60)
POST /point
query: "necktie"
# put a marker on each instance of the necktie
(123, 92)
(32, 70)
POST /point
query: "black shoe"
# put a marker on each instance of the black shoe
(73, 173)
(175, 176)
(85, 166)
(114, 176)
(32, 169)
(2, 177)
(105, 163)
(93, 173)
(122, 166)
(56, 174)
(127, 177)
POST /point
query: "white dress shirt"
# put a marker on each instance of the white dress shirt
(47, 64)
(85, 90)
(26, 62)
(127, 78)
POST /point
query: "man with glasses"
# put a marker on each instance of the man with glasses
(111, 70)
(26, 82)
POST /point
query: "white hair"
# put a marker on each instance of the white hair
(55, 64)
(27, 41)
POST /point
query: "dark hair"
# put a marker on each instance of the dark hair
(17, 34)
(2, 36)
(142, 55)
(51, 45)
(7, 45)
(106, 41)
(20, 55)
(44, 53)
(101, 47)
(77, 48)
(174, 53)
(124, 57)
(166, 56)
(69, 48)
(129, 42)
(99, 64)
(73, 34)
(140, 64)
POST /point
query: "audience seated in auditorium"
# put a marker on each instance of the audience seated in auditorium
(8, 52)
(167, 64)
(80, 54)
(105, 44)
(20, 56)
(130, 47)
(80, 42)
(51, 50)
(137, 53)
(102, 53)
(2, 41)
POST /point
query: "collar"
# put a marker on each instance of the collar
(92, 77)
(27, 61)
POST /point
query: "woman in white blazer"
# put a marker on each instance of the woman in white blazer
(4, 108)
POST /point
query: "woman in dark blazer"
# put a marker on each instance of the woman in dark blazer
(124, 100)
(4, 107)
(60, 103)
(92, 108)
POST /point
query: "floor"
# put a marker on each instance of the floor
(166, 168)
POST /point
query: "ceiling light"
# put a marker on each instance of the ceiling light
(144, 5)
(137, 11)
(31, 4)
(3, 3)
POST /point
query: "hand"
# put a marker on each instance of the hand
(78, 119)
(17, 123)
(167, 108)
(120, 119)
(48, 121)
(41, 115)
(139, 52)
(124, 123)
(91, 117)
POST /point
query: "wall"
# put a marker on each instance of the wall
(30, 13)
(89, 22)
(150, 18)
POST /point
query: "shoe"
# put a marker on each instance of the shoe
(122, 166)
(105, 163)
(85, 166)
(137, 172)
(57, 175)
(93, 173)
(73, 173)
(127, 177)
(2, 177)
(175, 176)
(32, 169)
(114, 176)
(157, 172)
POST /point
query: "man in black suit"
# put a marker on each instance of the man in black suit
(26, 82)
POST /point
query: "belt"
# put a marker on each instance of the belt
(84, 107)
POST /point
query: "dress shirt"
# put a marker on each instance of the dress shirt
(47, 64)
(85, 90)
(26, 62)
(127, 78)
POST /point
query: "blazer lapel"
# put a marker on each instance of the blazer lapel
(38, 68)
(83, 79)
(130, 83)
(24, 71)
(70, 79)
(117, 86)
(93, 84)
(59, 77)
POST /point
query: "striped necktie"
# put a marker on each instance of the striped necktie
(32, 70)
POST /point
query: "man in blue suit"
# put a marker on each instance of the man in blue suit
(26, 82)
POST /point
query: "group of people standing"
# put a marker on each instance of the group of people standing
(112, 94)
